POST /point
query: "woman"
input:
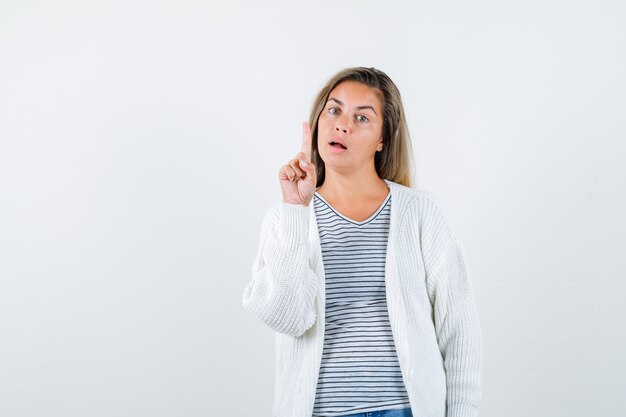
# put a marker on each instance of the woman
(366, 289)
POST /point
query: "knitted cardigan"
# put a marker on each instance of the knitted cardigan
(434, 320)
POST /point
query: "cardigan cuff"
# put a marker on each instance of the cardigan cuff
(462, 410)
(294, 222)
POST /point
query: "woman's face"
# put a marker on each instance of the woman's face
(353, 118)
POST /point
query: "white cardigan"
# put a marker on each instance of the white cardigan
(433, 317)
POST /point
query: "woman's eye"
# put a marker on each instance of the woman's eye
(362, 118)
(333, 110)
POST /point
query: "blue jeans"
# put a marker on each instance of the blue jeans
(402, 412)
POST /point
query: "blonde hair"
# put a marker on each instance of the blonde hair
(395, 161)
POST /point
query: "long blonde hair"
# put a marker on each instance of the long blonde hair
(395, 161)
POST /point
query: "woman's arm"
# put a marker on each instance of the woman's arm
(455, 315)
(458, 332)
(283, 287)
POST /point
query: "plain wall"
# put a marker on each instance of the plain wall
(140, 144)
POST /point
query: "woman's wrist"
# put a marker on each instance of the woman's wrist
(306, 204)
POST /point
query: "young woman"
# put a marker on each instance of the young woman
(361, 276)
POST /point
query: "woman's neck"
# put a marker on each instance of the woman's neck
(345, 188)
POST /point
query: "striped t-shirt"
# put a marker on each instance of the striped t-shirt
(359, 371)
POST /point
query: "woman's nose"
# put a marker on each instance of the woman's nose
(342, 125)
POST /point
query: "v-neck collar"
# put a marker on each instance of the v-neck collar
(348, 219)
(398, 195)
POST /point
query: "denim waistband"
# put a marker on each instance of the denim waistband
(402, 412)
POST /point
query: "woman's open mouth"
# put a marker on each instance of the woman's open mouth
(337, 145)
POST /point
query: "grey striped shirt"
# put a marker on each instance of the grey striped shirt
(359, 370)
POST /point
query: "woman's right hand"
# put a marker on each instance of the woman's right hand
(298, 177)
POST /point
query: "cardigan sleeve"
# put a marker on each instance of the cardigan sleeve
(283, 288)
(458, 333)
(455, 314)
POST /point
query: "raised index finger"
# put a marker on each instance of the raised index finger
(306, 140)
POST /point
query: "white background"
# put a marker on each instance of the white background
(140, 143)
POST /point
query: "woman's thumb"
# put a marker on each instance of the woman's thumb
(307, 166)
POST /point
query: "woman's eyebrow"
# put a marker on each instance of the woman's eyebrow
(357, 107)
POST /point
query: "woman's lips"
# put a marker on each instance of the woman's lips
(336, 148)
(339, 142)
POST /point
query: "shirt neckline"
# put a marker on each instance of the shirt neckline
(369, 219)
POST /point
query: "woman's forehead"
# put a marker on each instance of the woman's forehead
(356, 93)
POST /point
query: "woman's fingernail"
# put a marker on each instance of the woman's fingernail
(304, 164)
